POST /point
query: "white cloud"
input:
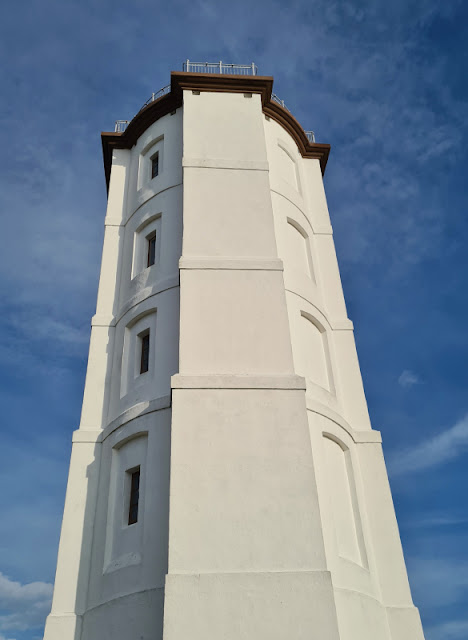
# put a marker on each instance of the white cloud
(23, 606)
(452, 630)
(12, 592)
(440, 448)
(408, 379)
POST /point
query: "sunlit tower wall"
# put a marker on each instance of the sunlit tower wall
(225, 481)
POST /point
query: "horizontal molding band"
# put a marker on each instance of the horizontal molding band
(229, 381)
(100, 320)
(109, 221)
(121, 596)
(148, 292)
(138, 410)
(370, 437)
(343, 324)
(91, 434)
(146, 201)
(299, 203)
(238, 574)
(368, 596)
(224, 163)
(84, 436)
(359, 436)
(238, 263)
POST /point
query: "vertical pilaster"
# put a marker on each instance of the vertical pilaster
(72, 574)
(96, 389)
(246, 552)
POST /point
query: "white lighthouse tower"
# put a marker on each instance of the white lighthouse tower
(225, 482)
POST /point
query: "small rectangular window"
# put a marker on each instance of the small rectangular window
(155, 165)
(145, 347)
(151, 249)
(134, 496)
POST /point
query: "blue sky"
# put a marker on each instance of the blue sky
(385, 84)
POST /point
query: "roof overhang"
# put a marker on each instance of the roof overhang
(181, 80)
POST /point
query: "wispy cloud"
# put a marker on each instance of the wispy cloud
(438, 582)
(23, 606)
(452, 630)
(435, 520)
(50, 328)
(436, 450)
(408, 379)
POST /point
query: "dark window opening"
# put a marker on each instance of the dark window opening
(151, 256)
(134, 496)
(145, 347)
(155, 165)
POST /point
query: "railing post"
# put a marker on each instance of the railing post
(253, 69)
(187, 65)
(220, 67)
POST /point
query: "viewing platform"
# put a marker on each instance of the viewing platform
(213, 68)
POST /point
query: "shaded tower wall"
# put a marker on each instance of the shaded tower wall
(110, 575)
(265, 510)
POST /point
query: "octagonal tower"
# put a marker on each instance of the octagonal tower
(225, 481)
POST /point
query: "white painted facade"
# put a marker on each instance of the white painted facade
(265, 511)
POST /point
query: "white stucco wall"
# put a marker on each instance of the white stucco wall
(340, 431)
(110, 576)
(265, 511)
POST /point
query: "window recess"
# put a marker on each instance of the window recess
(144, 351)
(134, 497)
(155, 165)
(151, 249)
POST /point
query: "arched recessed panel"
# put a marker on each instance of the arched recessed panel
(342, 492)
(297, 249)
(147, 245)
(151, 162)
(139, 349)
(312, 358)
(286, 167)
(124, 538)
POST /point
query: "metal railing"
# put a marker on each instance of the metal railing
(159, 94)
(209, 67)
(121, 125)
(220, 67)
(310, 134)
(278, 100)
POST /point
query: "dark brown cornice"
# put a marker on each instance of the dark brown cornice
(181, 80)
